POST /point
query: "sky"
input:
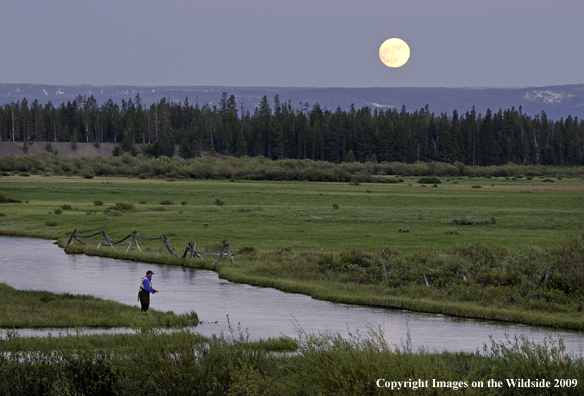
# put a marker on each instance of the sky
(300, 43)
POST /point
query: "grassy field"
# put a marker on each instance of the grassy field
(300, 215)
(31, 309)
(522, 229)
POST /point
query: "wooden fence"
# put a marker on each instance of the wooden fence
(190, 248)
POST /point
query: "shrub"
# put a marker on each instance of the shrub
(3, 199)
(57, 211)
(462, 221)
(247, 250)
(469, 221)
(66, 207)
(219, 202)
(167, 202)
(429, 180)
(111, 212)
(98, 203)
(123, 207)
(477, 186)
(51, 223)
(2, 214)
(183, 203)
(88, 176)
(335, 206)
(25, 174)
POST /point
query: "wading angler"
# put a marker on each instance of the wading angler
(145, 290)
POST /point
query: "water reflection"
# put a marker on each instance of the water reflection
(32, 264)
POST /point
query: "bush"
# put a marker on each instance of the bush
(429, 180)
(58, 211)
(249, 250)
(98, 203)
(51, 223)
(167, 202)
(111, 212)
(66, 207)
(123, 207)
(462, 221)
(219, 202)
(335, 206)
(3, 199)
(468, 221)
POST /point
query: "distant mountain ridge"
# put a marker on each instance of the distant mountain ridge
(557, 101)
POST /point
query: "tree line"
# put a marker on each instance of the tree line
(277, 130)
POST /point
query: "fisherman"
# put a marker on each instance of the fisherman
(145, 290)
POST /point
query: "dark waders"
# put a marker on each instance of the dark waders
(144, 297)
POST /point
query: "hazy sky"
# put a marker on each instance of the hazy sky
(299, 43)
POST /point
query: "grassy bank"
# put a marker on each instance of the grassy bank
(185, 363)
(35, 309)
(493, 248)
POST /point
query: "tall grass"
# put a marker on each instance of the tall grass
(185, 363)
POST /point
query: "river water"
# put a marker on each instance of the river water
(35, 264)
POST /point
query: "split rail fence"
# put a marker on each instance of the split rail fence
(190, 249)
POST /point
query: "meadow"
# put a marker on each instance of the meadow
(494, 247)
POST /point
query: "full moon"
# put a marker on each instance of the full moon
(394, 52)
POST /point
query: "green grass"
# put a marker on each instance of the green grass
(37, 309)
(503, 260)
(300, 215)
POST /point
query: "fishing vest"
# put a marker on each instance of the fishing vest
(142, 285)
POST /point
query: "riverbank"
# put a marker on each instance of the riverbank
(516, 254)
(38, 309)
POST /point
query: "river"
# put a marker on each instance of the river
(36, 264)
